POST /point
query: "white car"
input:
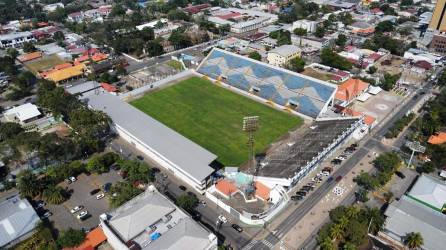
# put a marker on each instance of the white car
(222, 219)
(82, 215)
(325, 173)
(76, 209)
(100, 196)
(72, 179)
(341, 158)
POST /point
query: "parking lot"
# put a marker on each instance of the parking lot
(379, 105)
(80, 195)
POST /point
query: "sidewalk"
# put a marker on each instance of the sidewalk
(311, 222)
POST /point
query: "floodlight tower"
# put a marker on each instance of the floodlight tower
(415, 147)
(251, 125)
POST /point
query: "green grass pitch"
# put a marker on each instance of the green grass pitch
(212, 117)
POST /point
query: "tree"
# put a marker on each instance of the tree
(406, 2)
(296, 64)
(13, 53)
(117, 10)
(390, 81)
(330, 58)
(320, 32)
(255, 55)
(9, 130)
(71, 238)
(427, 167)
(346, 18)
(27, 184)
(53, 194)
(385, 26)
(413, 240)
(59, 36)
(124, 192)
(176, 14)
(362, 195)
(300, 32)
(372, 70)
(341, 40)
(154, 48)
(97, 165)
(28, 47)
(187, 202)
(137, 171)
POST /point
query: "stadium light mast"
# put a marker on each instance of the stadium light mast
(251, 125)
(415, 147)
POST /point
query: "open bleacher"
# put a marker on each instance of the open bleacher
(301, 93)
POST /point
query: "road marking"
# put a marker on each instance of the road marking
(267, 243)
(250, 245)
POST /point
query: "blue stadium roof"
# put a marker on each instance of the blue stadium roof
(308, 95)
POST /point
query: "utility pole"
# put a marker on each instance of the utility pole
(250, 126)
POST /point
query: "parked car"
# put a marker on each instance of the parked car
(222, 219)
(72, 179)
(399, 174)
(95, 191)
(237, 228)
(302, 193)
(296, 197)
(339, 178)
(100, 196)
(183, 188)
(82, 215)
(196, 215)
(40, 204)
(76, 209)
(336, 161)
(139, 157)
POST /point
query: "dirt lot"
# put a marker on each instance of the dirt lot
(43, 63)
(324, 76)
(379, 105)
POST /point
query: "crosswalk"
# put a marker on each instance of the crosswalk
(254, 242)
(250, 245)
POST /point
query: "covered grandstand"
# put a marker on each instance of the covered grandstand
(304, 150)
(308, 96)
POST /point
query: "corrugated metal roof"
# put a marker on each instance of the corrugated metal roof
(17, 218)
(430, 191)
(190, 158)
(406, 215)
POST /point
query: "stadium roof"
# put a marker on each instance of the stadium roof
(406, 215)
(17, 218)
(272, 83)
(290, 158)
(192, 159)
(430, 192)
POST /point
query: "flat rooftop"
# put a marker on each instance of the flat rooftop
(290, 157)
(189, 157)
(151, 213)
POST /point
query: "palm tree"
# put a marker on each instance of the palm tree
(413, 240)
(28, 184)
(327, 244)
(335, 232)
(53, 195)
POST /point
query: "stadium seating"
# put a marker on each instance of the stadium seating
(278, 85)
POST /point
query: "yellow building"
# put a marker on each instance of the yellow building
(283, 54)
(67, 73)
(438, 21)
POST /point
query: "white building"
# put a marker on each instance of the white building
(53, 7)
(180, 156)
(152, 24)
(283, 54)
(150, 221)
(420, 55)
(249, 25)
(16, 39)
(22, 114)
(309, 26)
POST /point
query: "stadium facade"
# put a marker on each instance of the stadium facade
(307, 96)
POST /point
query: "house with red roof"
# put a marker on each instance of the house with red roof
(349, 90)
(195, 9)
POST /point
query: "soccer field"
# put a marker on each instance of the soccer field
(212, 117)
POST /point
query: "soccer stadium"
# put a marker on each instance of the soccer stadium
(212, 116)
(305, 95)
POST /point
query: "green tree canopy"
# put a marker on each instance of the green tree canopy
(71, 238)
(255, 55)
(330, 58)
(187, 202)
(296, 64)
